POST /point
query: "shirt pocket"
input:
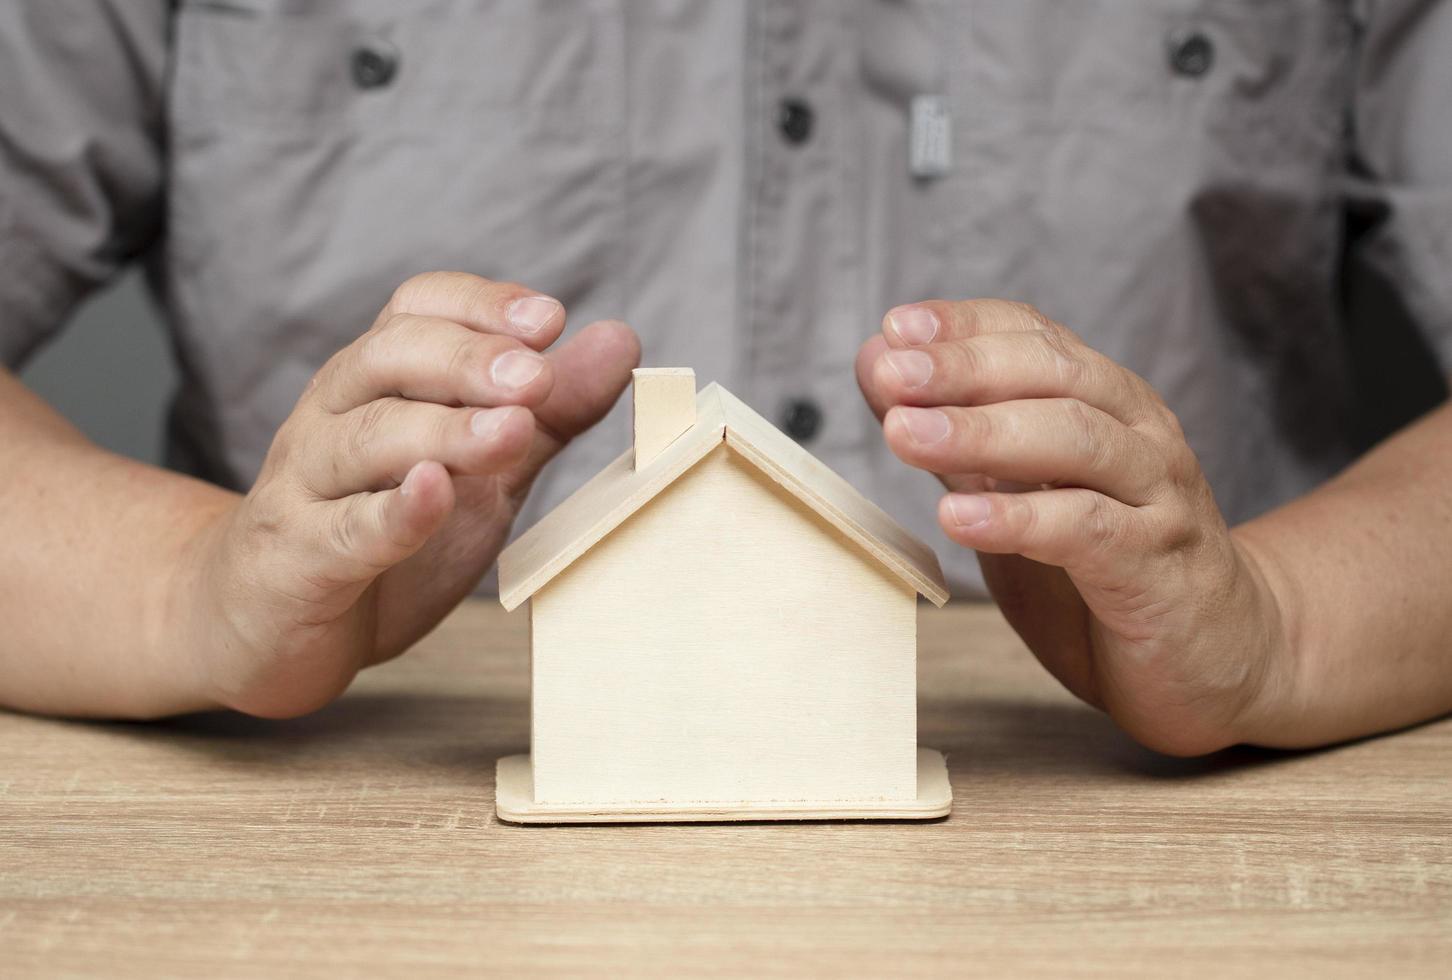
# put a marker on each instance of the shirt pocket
(301, 191)
(290, 66)
(1129, 141)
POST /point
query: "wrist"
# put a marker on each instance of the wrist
(190, 623)
(1268, 714)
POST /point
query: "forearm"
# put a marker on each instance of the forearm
(93, 543)
(1361, 571)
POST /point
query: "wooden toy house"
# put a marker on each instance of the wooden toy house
(721, 628)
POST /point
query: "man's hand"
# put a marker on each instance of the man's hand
(1095, 528)
(390, 489)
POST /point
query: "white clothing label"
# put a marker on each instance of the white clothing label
(930, 136)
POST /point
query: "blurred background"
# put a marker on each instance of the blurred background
(111, 370)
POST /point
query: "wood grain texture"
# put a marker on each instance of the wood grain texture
(362, 840)
(819, 487)
(514, 802)
(619, 490)
(724, 645)
(599, 507)
(663, 401)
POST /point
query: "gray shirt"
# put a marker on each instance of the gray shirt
(751, 185)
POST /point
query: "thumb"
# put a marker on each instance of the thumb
(365, 534)
(591, 369)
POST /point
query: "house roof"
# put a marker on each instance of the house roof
(619, 490)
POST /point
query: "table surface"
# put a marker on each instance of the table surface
(363, 839)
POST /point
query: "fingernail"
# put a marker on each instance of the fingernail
(967, 510)
(914, 368)
(531, 314)
(484, 424)
(411, 478)
(913, 324)
(516, 369)
(925, 426)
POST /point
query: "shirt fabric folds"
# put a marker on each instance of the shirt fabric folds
(1173, 179)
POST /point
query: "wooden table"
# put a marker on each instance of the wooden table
(362, 840)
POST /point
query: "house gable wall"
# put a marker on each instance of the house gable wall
(724, 644)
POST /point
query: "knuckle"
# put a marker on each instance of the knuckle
(445, 425)
(1068, 366)
(1022, 520)
(339, 365)
(1000, 316)
(1100, 528)
(355, 535)
(467, 353)
(477, 298)
(1081, 430)
(1174, 526)
(968, 360)
(267, 512)
(1071, 373)
(1065, 365)
(501, 292)
(1060, 349)
(367, 428)
(968, 315)
(975, 427)
(396, 322)
(338, 473)
(415, 290)
(1024, 316)
(342, 531)
(1181, 466)
(407, 291)
(974, 317)
(370, 353)
(1152, 416)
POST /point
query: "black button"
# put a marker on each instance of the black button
(801, 419)
(794, 118)
(374, 65)
(1191, 53)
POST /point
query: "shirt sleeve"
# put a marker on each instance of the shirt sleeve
(81, 153)
(1401, 167)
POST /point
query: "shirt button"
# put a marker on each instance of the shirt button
(801, 419)
(794, 119)
(1191, 53)
(374, 65)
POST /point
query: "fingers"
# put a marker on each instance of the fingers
(436, 360)
(1023, 401)
(480, 304)
(366, 533)
(868, 356)
(1040, 441)
(451, 338)
(376, 445)
(935, 321)
(591, 370)
(372, 445)
(1078, 530)
(1000, 367)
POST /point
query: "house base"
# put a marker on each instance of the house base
(514, 802)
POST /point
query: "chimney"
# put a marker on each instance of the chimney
(665, 407)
